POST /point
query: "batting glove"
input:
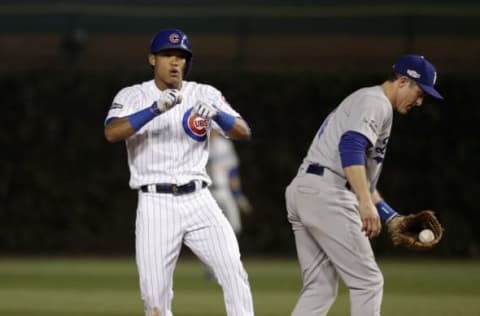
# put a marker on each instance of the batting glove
(205, 110)
(168, 99)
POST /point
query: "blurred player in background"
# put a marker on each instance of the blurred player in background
(223, 169)
(333, 204)
(226, 188)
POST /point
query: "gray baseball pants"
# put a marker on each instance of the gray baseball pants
(329, 241)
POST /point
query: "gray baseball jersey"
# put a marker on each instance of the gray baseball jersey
(366, 111)
(173, 149)
(324, 213)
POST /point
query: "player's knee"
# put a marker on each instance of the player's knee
(377, 281)
(324, 292)
(374, 285)
(235, 270)
(155, 312)
(370, 284)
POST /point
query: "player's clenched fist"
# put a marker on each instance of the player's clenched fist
(168, 99)
(205, 110)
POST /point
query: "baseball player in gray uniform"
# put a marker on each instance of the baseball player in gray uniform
(333, 204)
(165, 123)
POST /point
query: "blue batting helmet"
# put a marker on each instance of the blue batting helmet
(172, 39)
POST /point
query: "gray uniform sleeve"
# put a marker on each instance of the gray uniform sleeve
(367, 116)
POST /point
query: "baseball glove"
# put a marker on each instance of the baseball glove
(404, 230)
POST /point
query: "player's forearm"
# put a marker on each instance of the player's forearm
(239, 131)
(357, 178)
(376, 197)
(118, 129)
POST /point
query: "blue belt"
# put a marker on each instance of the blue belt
(315, 169)
(171, 188)
(319, 170)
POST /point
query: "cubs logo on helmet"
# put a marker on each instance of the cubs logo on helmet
(174, 38)
(195, 126)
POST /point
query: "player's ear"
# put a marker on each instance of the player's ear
(402, 80)
(151, 59)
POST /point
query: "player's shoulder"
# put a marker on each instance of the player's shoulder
(223, 142)
(366, 100)
(372, 91)
(221, 148)
(200, 88)
(371, 96)
(137, 89)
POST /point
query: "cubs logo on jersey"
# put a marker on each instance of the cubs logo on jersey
(195, 126)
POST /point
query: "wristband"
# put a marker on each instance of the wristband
(142, 117)
(225, 121)
(385, 211)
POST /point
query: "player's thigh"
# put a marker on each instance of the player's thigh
(158, 228)
(310, 255)
(338, 232)
(212, 240)
(215, 246)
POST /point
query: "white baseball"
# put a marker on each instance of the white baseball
(426, 235)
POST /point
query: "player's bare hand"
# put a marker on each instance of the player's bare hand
(371, 224)
(205, 110)
(168, 99)
(244, 204)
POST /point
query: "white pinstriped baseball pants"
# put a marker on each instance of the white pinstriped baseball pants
(166, 221)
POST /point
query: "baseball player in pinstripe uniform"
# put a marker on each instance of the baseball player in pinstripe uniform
(165, 123)
(333, 204)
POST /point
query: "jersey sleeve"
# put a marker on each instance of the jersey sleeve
(217, 98)
(367, 116)
(126, 102)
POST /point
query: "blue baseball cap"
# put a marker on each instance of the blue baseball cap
(420, 70)
(172, 39)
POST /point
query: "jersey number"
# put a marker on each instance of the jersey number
(324, 124)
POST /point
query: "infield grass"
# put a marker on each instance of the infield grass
(109, 287)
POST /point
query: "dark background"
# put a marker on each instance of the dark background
(283, 64)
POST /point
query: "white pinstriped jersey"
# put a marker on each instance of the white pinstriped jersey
(367, 111)
(173, 147)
